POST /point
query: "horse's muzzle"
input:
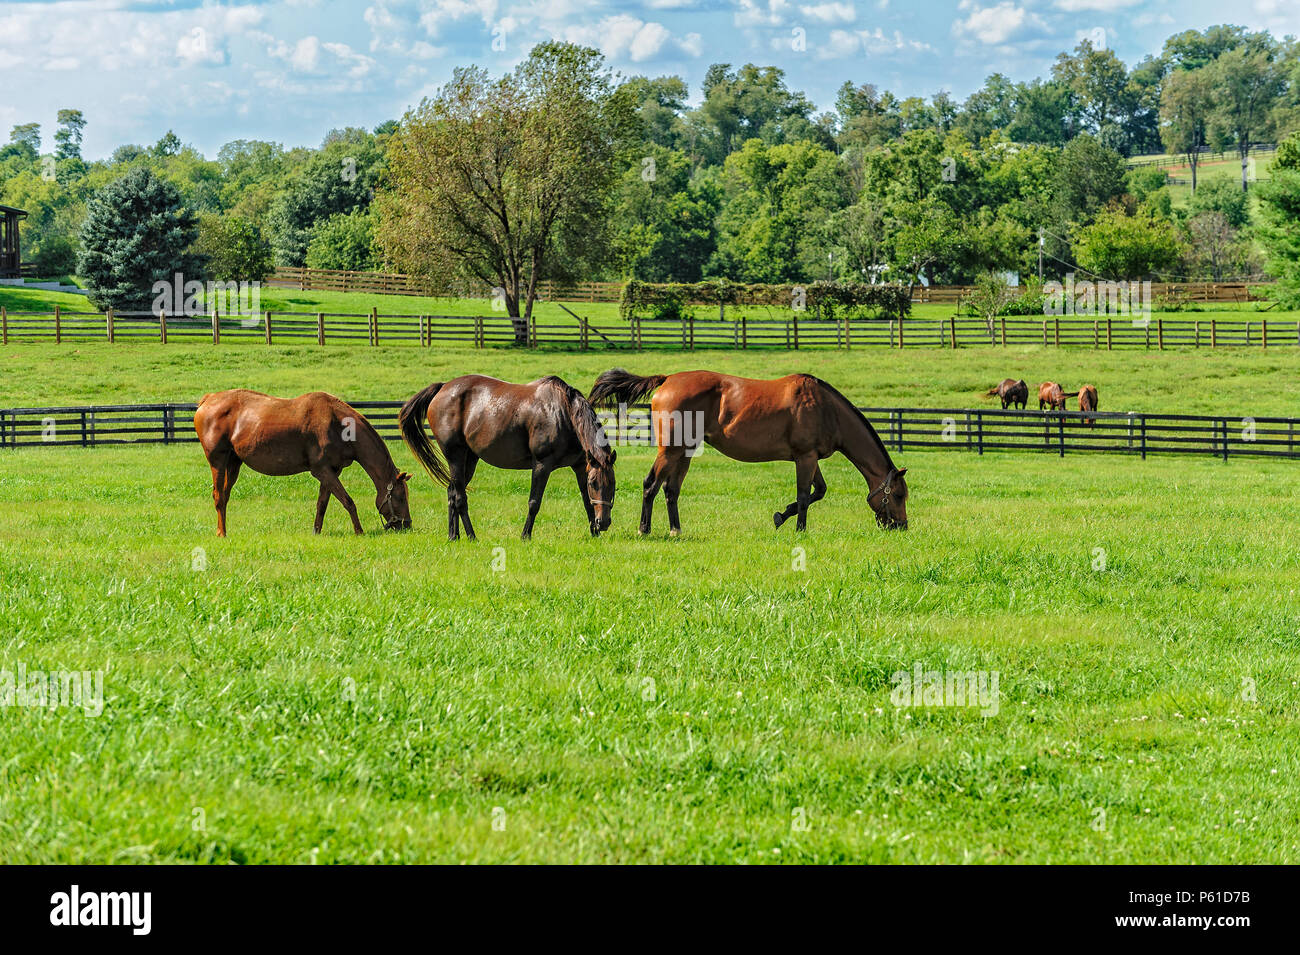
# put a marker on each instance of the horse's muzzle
(397, 525)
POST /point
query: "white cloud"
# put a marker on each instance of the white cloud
(830, 12)
(1095, 6)
(998, 24)
(625, 37)
(844, 43)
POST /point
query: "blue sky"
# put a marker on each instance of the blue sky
(290, 70)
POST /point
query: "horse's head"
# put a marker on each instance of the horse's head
(889, 501)
(394, 504)
(600, 489)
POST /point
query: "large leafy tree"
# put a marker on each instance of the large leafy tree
(1247, 85)
(1186, 107)
(509, 181)
(1120, 246)
(1279, 231)
(136, 232)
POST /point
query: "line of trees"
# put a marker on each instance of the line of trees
(561, 170)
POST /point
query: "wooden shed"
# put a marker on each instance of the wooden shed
(10, 253)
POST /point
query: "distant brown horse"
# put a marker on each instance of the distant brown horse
(538, 427)
(797, 418)
(1011, 392)
(1088, 402)
(1051, 396)
(278, 436)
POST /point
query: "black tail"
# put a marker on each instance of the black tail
(411, 420)
(620, 386)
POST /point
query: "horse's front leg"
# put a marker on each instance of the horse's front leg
(322, 501)
(818, 492)
(580, 471)
(329, 481)
(541, 474)
(804, 469)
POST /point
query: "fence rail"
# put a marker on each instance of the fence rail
(384, 283)
(740, 332)
(962, 429)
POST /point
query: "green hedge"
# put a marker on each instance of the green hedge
(824, 300)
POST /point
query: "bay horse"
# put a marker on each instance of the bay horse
(539, 427)
(797, 418)
(1050, 395)
(1011, 392)
(1088, 402)
(315, 432)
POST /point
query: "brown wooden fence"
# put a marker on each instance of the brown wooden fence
(484, 331)
(382, 283)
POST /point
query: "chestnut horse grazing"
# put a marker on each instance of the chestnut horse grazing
(1051, 396)
(797, 418)
(1088, 402)
(315, 432)
(1011, 392)
(538, 427)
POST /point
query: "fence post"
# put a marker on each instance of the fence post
(479, 337)
(1248, 333)
(1044, 333)
(1004, 331)
(1263, 333)
(58, 325)
(320, 328)
(1196, 333)
(4, 327)
(744, 331)
(1108, 339)
(374, 324)
(268, 327)
(1142, 423)
(1056, 331)
(1214, 334)
(848, 344)
(952, 329)
(794, 325)
(691, 319)
(108, 324)
(1160, 334)
(1060, 434)
(1224, 427)
(216, 326)
(162, 324)
(900, 331)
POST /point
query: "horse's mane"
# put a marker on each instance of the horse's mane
(590, 432)
(861, 417)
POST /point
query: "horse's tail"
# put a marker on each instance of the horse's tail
(992, 391)
(411, 421)
(620, 386)
(1069, 394)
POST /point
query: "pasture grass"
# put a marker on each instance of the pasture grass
(1228, 381)
(395, 697)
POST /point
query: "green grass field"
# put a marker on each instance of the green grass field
(722, 696)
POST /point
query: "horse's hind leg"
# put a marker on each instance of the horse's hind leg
(471, 462)
(678, 464)
(818, 492)
(460, 466)
(225, 471)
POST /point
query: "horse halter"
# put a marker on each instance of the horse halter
(391, 522)
(887, 485)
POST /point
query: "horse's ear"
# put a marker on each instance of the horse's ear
(613, 456)
(902, 471)
(403, 476)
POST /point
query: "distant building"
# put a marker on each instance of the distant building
(10, 254)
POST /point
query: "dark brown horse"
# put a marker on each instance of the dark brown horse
(1012, 392)
(797, 418)
(1050, 395)
(1088, 402)
(278, 436)
(538, 427)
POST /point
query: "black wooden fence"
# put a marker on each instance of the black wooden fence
(576, 332)
(962, 429)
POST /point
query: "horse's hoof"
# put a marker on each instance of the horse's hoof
(675, 532)
(778, 518)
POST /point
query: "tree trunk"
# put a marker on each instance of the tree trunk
(1245, 164)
